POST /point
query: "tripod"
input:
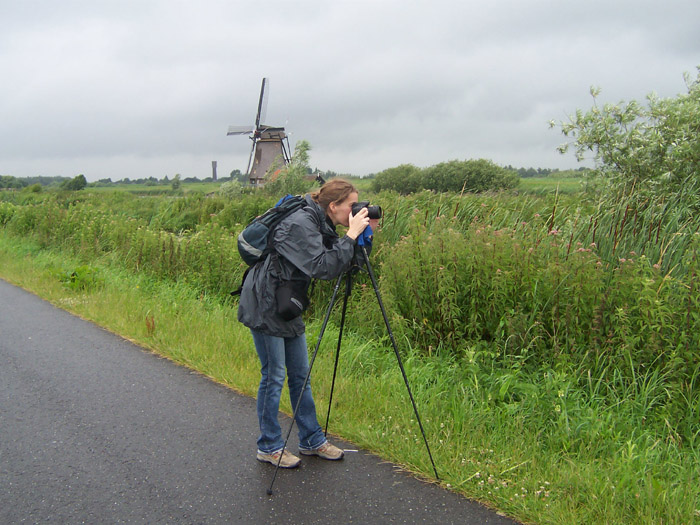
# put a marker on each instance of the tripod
(348, 287)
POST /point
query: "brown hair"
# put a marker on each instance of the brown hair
(336, 190)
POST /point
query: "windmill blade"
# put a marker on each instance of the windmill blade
(250, 158)
(240, 130)
(262, 103)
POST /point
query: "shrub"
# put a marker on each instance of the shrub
(403, 179)
(77, 183)
(231, 190)
(650, 152)
(291, 179)
(34, 188)
(539, 300)
(648, 158)
(473, 176)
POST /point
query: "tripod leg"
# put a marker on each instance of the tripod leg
(396, 352)
(348, 288)
(306, 379)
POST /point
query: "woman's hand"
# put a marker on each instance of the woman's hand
(357, 223)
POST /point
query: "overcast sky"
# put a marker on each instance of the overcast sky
(148, 88)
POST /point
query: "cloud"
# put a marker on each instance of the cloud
(137, 89)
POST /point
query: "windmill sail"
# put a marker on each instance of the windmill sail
(262, 103)
(240, 130)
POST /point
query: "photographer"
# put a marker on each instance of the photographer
(306, 246)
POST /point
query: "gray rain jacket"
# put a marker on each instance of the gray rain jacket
(306, 246)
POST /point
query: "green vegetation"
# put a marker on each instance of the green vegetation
(647, 172)
(77, 183)
(550, 332)
(536, 365)
(473, 176)
(552, 184)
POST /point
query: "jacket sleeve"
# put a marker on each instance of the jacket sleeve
(301, 243)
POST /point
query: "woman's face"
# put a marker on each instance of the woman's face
(339, 212)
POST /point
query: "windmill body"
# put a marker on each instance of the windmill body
(270, 143)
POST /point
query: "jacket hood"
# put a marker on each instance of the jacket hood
(325, 223)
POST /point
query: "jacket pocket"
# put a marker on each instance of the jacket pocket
(292, 299)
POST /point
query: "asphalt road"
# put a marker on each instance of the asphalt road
(94, 429)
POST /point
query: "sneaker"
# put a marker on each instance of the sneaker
(325, 451)
(288, 460)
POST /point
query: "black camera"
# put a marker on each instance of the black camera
(374, 212)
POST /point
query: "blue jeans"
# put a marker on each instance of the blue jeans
(277, 354)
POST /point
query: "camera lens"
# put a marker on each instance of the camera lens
(373, 212)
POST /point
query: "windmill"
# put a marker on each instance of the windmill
(270, 143)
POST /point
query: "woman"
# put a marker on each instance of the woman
(306, 246)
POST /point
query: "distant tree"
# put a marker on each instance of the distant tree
(404, 179)
(77, 183)
(473, 176)
(8, 181)
(238, 176)
(33, 188)
(453, 176)
(175, 185)
(529, 172)
(44, 181)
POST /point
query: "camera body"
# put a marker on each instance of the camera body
(374, 212)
